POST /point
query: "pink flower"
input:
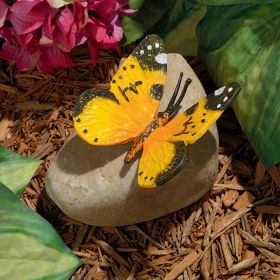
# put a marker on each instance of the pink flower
(81, 19)
(28, 15)
(109, 11)
(43, 33)
(65, 30)
(52, 58)
(22, 49)
(98, 38)
(47, 31)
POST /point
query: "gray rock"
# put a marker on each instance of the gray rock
(92, 184)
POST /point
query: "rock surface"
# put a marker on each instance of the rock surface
(92, 184)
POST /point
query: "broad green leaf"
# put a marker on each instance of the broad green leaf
(175, 21)
(29, 247)
(245, 47)
(169, 19)
(16, 170)
(147, 15)
(178, 27)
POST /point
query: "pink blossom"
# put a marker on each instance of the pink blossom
(52, 58)
(98, 38)
(47, 31)
(43, 33)
(81, 19)
(65, 30)
(109, 11)
(25, 57)
(28, 15)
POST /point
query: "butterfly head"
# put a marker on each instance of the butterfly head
(221, 98)
(173, 105)
(162, 118)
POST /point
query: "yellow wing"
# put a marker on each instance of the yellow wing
(164, 151)
(194, 122)
(104, 117)
(160, 161)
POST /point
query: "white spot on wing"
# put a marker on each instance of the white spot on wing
(149, 47)
(161, 58)
(141, 52)
(157, 45)
(219, 91)
(219, 106)
(225, 99)
(230, 89)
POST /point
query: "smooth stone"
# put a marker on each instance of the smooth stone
(92, 184)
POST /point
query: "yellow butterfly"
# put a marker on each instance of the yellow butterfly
(128, 112)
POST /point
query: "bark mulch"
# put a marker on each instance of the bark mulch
(231, 233)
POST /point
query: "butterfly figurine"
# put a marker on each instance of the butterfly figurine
(128, 112)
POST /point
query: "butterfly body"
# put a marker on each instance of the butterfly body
(137, 143)
(128, 113)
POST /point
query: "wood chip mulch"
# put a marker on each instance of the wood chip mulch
(231, 233)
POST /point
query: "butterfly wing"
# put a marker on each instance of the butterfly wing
(195, 121)
(104, 117)
(160, 161)
(164, 152)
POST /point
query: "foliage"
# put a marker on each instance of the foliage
(16, 170)
(148, 13)
(245, 48)
(29, 247)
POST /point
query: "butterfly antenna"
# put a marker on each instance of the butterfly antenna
(175, 93)
(184, 91)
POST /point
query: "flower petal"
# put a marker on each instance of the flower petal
(81, 19)
(104, 8)
(26, 18)
(52, 58)
(24, 6)
(23, 59)
(81, 38)
(118, 31)
(4, 8)
(109, 43)
(65, 30)
(47, 31)
(80, 14)
(124, 11)
(93, 51)
(24, 40)
(96, 30)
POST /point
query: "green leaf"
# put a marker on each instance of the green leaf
(175, 21)
(29, 247)
(169, 19)
(148, 14)
(245, 47)
(178, 26)
(16, 170)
